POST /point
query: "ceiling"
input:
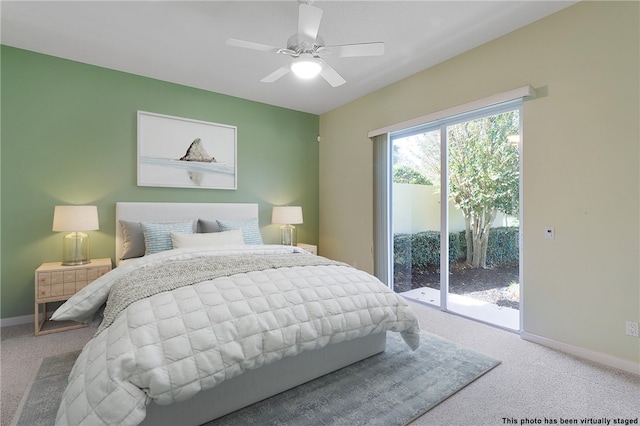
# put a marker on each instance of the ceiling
(184, 42)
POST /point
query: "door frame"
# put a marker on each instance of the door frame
(386, 144)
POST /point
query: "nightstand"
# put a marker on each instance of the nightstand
(310, 248)
(56, 283)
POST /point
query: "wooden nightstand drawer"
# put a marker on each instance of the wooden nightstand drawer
(57, 277)
(57, 290)
(55, 282)
(80, 285)
(95, 273)
(69, 276)
(44, 278)
(70, 288)
(81, 275)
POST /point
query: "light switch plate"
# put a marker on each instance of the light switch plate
(549, 233)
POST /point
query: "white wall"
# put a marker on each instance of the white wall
(416, 208)
(581, 166)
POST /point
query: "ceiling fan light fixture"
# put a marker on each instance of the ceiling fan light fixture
(306, 48)
(306, 66)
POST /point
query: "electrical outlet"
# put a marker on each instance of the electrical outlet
(632, 328)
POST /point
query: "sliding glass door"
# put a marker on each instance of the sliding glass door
(454, 205)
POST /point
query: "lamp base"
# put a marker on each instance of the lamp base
(288, 235)
(75, 263)
(75, 249)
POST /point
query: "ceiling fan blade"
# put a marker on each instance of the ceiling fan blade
(308, 23)
(251, 45)
(276, 75)
(351, 50)
(331, 75)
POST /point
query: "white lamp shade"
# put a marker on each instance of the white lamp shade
(287, 215)
(75, 218)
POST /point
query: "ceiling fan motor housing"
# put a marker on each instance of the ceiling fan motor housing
(295, 44)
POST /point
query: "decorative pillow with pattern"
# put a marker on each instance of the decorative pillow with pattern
(157, 236)
(250, 229)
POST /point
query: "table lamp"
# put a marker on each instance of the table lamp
(75, 246)
(287, 216)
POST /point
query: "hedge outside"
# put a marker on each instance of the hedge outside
(421, 250)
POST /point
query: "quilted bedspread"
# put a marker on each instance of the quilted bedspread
(169, 346)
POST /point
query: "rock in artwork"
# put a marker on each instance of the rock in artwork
(196, 152)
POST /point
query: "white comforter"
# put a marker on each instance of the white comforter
(174, 344)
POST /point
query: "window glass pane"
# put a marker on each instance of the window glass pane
(484, 187)
(416, 215)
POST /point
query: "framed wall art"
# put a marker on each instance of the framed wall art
(184, 153)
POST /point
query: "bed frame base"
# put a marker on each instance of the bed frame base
(255, 385)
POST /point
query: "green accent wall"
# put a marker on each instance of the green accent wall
(69, 136)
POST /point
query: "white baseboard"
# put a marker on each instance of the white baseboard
(24, 319)
(608, 360)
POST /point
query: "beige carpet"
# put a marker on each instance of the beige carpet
(20, 355)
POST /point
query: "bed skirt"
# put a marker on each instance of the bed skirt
(255, 385)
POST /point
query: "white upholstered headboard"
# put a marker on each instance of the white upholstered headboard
(165, 212)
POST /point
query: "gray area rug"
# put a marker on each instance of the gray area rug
(391, 388)
(42, 397)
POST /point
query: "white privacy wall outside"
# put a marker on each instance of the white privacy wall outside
(416, 208)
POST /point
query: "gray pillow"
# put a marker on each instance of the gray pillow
(207, 226)
(133, 240)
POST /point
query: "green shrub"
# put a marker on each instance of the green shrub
(502, 246)
(406, 174)
(421, 250)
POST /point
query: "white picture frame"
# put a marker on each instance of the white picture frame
(184, 153)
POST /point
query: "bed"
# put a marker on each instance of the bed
(217, 321)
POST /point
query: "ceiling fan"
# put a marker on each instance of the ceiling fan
(308, 51)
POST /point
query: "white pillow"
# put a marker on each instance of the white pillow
(180, 240)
